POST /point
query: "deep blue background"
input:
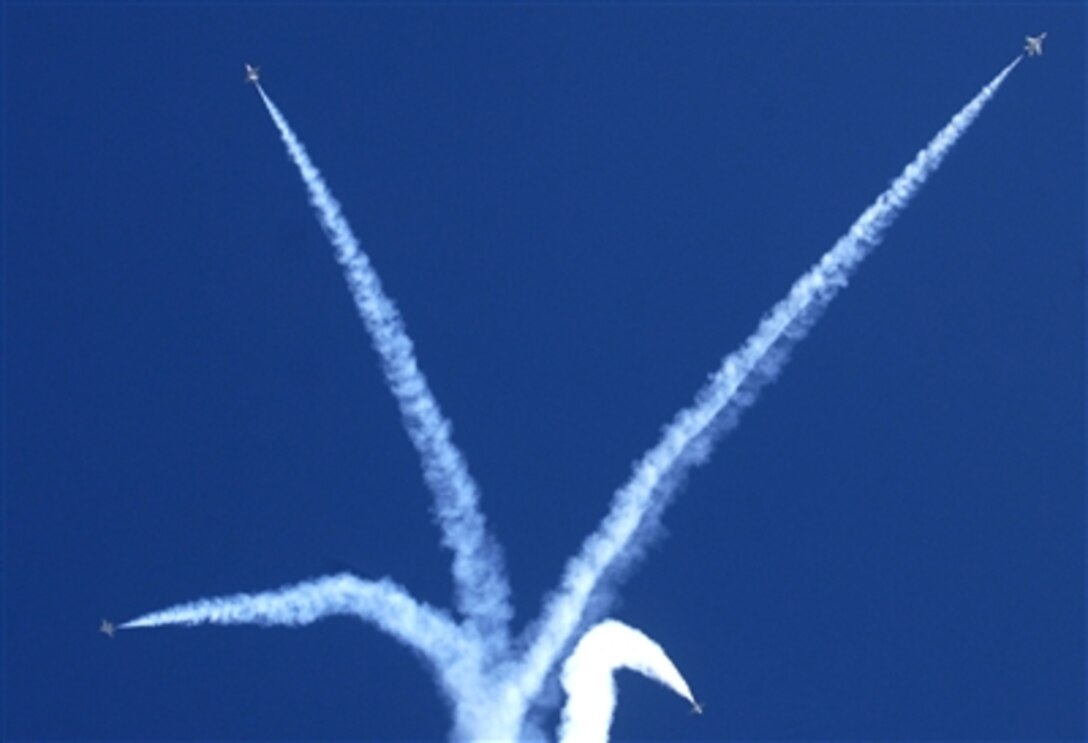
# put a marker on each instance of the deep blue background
(579, 211)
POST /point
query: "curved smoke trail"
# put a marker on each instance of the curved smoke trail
(383, 603)
(482, 591)
(587, 678)
(688, 439)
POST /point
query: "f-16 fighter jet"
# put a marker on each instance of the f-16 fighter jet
(1034, 45)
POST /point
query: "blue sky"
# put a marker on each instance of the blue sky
(579, 211)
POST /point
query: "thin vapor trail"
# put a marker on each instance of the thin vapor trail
(587, 678)
(429, 631)
(482, 591)
(688, 439)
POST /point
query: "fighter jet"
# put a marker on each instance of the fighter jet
(1034, 45)
(253, 74)
(696, 708)
(107, 628)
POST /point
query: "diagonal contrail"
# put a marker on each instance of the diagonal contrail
(591, 690)
(688, 440)
(482, 591)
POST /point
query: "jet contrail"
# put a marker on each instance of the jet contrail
(482, 591)
(687, 441)
(429, 631)
(588, 681)
(455, 655)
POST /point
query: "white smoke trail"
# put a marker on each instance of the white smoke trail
(385, 604)
(484, 707)
(482, 591)
(688, 439)
(591, 690)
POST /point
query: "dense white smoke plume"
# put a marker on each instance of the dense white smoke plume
(587, 677)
